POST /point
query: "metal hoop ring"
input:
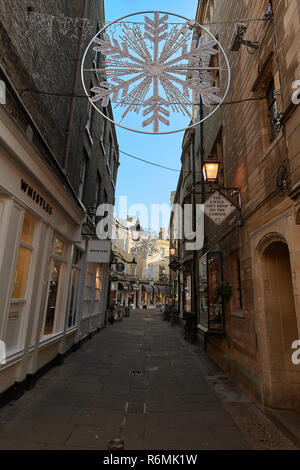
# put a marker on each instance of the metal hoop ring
(165, 132)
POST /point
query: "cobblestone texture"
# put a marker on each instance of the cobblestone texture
(140, 381)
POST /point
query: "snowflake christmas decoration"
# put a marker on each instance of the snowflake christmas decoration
(146, 246)
(154, 68)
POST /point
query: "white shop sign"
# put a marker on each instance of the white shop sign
(218, 208)
(98, 251)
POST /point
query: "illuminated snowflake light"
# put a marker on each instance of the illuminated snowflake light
(146, 246)
(154, 67)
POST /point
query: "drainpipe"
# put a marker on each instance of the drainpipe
(75, 84)
(202, 200)
(202, 197)
(195, 297)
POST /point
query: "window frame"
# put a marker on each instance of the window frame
(22, 304)
(58, 316)
(73, 303)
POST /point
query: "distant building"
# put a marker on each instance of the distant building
(145, 283)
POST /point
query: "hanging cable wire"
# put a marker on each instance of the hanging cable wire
(69, 95)
(135, 157)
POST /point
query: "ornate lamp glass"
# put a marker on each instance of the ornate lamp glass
(211, 170)
(172, 251)
(136, 232)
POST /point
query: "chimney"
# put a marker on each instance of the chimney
(162, 234)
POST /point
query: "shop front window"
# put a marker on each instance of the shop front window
(98, 286)
(216, 314)
(55, 287)
(188, 294)
(27, 230)
(72, 314)
(19, 296)
(203, 292)
(52, 296)
(88, 291)
(21, 274)
(23, 261)
(58, 247)
(210, 277)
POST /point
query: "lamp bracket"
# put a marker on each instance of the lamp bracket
(252, 44)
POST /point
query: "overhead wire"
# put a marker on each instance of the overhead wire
(67, 95)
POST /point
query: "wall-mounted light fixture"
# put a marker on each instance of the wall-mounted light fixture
(237, 38)
(172, 251)
(210, 170)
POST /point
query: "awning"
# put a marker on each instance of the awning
(148, 288)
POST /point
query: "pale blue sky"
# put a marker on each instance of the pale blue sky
(141, 183)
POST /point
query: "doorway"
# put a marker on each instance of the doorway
(281, 377)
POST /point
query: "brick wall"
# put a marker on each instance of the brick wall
(38, 50)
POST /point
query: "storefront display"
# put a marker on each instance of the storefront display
(20, 294)
(57, 270)
(188, 294)
(74, 288)
(210, 276)
(203, 292)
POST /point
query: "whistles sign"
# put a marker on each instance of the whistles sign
(98, 251)
(36, 197)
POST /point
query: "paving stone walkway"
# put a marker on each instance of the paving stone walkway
(138, 380)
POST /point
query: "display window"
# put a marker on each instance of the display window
(98, 289)
(188, 294)
(74, 290)
(203, 292)
(89, 288)
(55, 287)
(20, 291)
(211, 307)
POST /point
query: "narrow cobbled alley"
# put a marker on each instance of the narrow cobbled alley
(138, 380)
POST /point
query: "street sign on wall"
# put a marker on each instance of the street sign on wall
(98, 251)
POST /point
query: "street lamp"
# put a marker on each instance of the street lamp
(135, 232)
(172, 251)
(210, 170)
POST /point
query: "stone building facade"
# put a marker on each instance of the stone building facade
(59, 161)
(255, 136)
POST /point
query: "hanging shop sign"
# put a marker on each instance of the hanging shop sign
(218, 208)
(152, 67)
(174, 265)
(98, 251)
(120, 267)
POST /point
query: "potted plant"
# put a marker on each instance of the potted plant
(223, 291)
